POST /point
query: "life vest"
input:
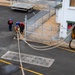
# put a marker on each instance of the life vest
(21, 25)
(10, 22)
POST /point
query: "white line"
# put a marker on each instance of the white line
(30, 59)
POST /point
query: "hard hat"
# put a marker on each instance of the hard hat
(17, 23)
(10, 19)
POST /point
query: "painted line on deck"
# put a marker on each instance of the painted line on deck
(70, 50)
(29, 59)
(3, 61)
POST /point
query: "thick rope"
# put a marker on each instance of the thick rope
(19, 49)
(54, 45)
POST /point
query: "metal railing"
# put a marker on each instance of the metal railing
(36, 22)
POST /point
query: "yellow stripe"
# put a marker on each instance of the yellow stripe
(67, 49)
(32, 71)
(5, 62)
(21, 67)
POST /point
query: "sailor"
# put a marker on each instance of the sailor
(22, 26)
(16, 29)
(10, 22)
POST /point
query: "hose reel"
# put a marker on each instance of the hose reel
(73, 38)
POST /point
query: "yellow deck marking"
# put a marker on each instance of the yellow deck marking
(23, 68)
(32, 71)
(67, 49)
(5, 62)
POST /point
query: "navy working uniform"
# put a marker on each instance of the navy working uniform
(21, 25)
(10, 22)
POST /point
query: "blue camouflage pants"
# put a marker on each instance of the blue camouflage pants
(10, 27)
